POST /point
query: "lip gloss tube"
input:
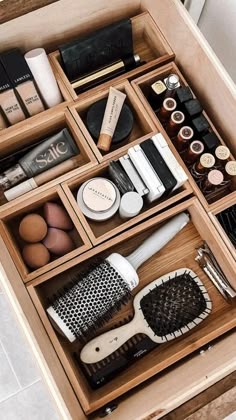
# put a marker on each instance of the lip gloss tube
(183, 138)
(176, 120)
(169, 105)
(200, 168)
(195, 149)
(214, 179)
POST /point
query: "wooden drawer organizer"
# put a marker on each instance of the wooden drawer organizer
(9, 229)
(214, 212)
(143, 127)
(101, 231)
(41, 128)
(148, 42)
(161, 31)
(180, 252)
(142, 87)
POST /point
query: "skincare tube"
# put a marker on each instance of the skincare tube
(112, 112)
(40, 67)
(50, 153)
(44, 156)
(32, 183)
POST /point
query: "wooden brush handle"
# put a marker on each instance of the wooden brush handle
(105, 344)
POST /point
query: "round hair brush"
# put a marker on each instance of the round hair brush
(164, 310)
(94, 298)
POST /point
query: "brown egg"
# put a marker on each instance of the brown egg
(58, 242)
(33, 228)
(35, 255)
(57, 217)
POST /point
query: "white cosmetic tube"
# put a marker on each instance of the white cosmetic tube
(40, 67)
(112, 112)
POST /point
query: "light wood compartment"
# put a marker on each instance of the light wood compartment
(142, 86)
(101, 231)
(143, 127)
(43, 128)
(214, 212)
(180, 252)
(9, 230)
(148, 42)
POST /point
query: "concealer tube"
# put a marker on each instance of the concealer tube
(41, 69)
(112, 112)
(8, 101)
(41, 179)
(22, 80)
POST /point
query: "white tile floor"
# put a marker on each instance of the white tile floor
(23, 395)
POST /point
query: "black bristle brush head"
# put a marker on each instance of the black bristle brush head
(165, 309)
(174, 306)
(76, 310)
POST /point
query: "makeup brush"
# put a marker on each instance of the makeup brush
(94, 297)
(165, 309)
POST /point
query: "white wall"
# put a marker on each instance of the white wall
(218, 25)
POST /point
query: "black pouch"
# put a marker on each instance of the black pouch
(98, 49)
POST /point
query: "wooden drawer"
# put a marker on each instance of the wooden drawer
(135, 399)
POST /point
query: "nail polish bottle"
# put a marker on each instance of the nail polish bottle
(195, 149)
(156, 96)
(222, 154)
(200, 125)
(201, 167)
(23, 81)
(211, 141)
(184, 136)
(169, 105)
(172, 84)
(213, 180)
(183, 94)
(230, 172)
(176, 120)
(8, 101)
(192, 108)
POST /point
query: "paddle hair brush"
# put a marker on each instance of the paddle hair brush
(94, 297)
(165, 309)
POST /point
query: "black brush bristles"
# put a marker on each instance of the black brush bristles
(91, 299)
(173, 305)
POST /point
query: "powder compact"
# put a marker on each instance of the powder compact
(124, 126)
(98, 199)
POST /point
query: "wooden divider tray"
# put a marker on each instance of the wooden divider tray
(9, 229)
(218, 208)
(142, 86)
(180, 252)
(101, 231)
(143, 127)
(148, 42)
(39, 129)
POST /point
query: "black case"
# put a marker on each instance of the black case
(102, 47)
